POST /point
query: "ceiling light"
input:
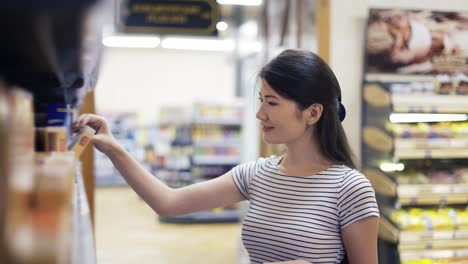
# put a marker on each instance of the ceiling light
(389, 167)
(131, 41)
(240, 2)
(198, 44)
(416, 118)
(221, 26)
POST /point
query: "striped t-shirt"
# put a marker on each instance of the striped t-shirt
(300, 217)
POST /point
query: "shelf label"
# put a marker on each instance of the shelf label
(198, 17)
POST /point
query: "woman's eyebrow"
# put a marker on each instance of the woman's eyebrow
(269, 96)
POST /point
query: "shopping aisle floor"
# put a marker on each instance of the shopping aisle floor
(127, 231)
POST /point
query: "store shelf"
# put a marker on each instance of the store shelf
(83, 251)
(224, 216)
(433, 200)
(409, 237)
(389, 77)
(216, 143)
(432, 194)
(434, 244)
(419, 194)
(216, 160)
(432, 143)
(429, 103)
(415, 255)
(209, 121)
(213, 134)
(434, 153)
(420, 240)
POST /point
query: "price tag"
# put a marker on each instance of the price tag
(443, 200)
(427, 154)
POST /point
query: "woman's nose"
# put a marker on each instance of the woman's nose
(261, 114)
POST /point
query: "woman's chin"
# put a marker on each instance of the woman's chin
(269, 140)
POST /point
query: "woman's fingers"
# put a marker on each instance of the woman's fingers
(94, 121)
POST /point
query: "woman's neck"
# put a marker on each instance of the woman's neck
(304, 158)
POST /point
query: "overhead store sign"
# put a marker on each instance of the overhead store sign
(196, 17)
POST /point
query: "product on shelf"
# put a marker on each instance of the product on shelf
(20, 176)
(444, 84)
(39, 230)
(55, 138)
(461, 84)
(81, 140)
(417, 219)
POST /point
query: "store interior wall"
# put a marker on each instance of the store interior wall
(143, 80)
(348, 20)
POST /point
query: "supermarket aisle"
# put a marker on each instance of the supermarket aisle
(127, 231)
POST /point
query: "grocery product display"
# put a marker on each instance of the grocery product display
(124, 128)
(414, 133)
(39, 212)
(418, 165)
(196, 144)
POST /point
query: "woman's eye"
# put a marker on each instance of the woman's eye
(260, 99)
(272, 104)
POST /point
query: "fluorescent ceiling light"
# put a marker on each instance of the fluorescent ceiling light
(249, 28)
(416, 118)
(221, 26)
(389, 167)
(240, 2)
(198, 44)
(131, 41)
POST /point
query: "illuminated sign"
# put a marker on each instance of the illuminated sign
(197, 17)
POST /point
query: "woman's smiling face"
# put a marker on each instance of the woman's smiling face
(281, 119)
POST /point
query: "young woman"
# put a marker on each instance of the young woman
(308, 206)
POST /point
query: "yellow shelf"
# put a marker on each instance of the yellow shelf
(415, 255)
(434, 244)
(432, 143)
(432, 194)
(432, 153)
(430, 103)
(422, 240)
(418, 194)
(411, 237)
(434, 200)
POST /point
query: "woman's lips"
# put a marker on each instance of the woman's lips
(267, 129)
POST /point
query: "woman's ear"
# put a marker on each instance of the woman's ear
(313, 113)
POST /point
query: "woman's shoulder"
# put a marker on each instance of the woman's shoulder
(352, 178)
(261, 163)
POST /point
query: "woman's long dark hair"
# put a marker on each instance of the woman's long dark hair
(305, 78)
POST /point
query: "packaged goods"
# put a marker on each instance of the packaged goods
(21, 174)
(55, 139)
(444, 84)
(42, 235)
(52, 208)
(81, 140)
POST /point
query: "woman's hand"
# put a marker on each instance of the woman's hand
(103, 140)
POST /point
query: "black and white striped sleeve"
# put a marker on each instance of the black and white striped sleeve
(243, 175)
(356, 199)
